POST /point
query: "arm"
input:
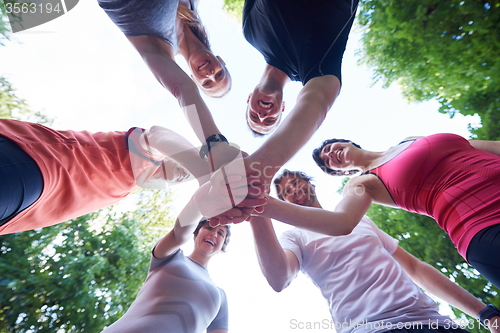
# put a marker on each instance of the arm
(184, 226)
(313, 103)
(169, 143)
(219, 331)
(489, 146)
(158, 55)
(347, 214)
(430, 279)
(279, 266)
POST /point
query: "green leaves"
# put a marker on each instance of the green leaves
(446, 50)
(79, 275)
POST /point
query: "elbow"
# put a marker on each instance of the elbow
(181, 88)
(278, 286)
(155, 134)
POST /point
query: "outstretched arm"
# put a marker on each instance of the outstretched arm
(347, 214)
(158, 55)
(279, 266)
(173, 145)
(184, 226)
(439, 285)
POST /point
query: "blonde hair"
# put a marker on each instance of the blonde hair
(193, 21)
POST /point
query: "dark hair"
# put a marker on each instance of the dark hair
(286, 173)
(204, 224)
(319, 161)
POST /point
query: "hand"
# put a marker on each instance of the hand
(229, 203)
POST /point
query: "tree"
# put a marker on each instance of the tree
(14, 107)
(81, 275)
(234, 8)
(448, 50)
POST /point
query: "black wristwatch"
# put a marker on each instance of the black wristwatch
(487, 313)
(211, 141)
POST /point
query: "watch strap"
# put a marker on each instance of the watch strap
(487, 313)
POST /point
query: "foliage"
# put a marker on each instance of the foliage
(234, 8)
(12, 106)
(448, 50)
(4, 20)
(81, 275)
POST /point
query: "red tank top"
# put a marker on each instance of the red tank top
(444, 177)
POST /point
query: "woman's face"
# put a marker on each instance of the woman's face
(210, 73)
(210, 240)
(338, 155)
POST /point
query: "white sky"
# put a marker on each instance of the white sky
(80, 69)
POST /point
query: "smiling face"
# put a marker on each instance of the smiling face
(210, 241)
(298, 191)
(264, 112)
(338, 155)
(210, 73)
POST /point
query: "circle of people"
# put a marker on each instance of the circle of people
(51, 176)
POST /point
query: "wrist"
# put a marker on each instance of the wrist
(210, 142)
(486, 314)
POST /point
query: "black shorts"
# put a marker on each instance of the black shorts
(20, 178)
(483, 253)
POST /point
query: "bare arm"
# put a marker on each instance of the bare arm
(489, 146)
(185, 224)
(279, 266)
(439, 285)
(175, 146)
(347, 214)
(221, 330)
(158, 55)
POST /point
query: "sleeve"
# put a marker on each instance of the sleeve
(221, 320)
(290, 240)
(157, 262)
(388, 242)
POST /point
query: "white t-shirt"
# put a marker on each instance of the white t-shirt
(366, 289)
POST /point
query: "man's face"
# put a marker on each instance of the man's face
(298, 191)
(264, 112)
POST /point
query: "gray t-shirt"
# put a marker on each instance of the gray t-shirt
(366, 289)
(178, 296)
(152, 17)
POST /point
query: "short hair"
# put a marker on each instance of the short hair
(296, 174)
(319, 161)
(205, 223)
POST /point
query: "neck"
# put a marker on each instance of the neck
(202, 260)
(188, 42)
(273, 79)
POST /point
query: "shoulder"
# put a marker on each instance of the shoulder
(411, 138)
